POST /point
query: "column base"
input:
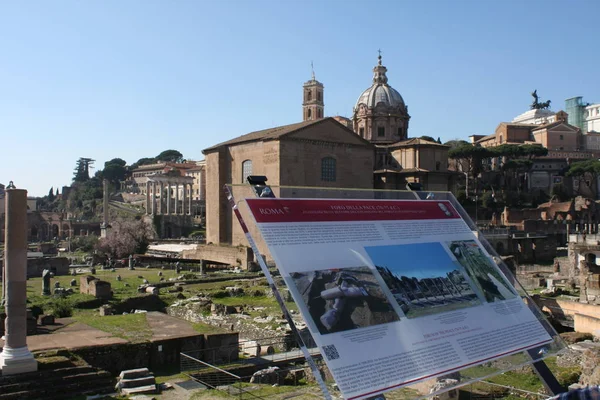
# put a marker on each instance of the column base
(17, 361)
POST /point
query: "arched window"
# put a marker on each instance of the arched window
(319, 114)
(309, 113)
(246, 170)
(328, 169)
(319, 96)
(309, 95)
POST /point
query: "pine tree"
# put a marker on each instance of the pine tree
(51, 195)
(82, 170)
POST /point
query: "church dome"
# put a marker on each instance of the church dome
(380, 92)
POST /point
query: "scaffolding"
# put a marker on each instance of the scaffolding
(575, 107)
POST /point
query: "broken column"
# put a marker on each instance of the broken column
(16, 357)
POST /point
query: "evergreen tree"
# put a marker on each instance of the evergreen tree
(82, 170)
(51, 195)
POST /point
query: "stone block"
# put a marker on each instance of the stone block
(106, 310)
(137, 382)
(46, 319)
(139, 390)
(152, 290)
(134, 373)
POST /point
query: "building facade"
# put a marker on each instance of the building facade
(318, 152)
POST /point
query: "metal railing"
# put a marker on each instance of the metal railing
(213, 377)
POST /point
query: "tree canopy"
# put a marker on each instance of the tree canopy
(428, 138)
(471, 155)
(457, 143)
(580, 168)
(170, 156)
(142, 161)
(115, 170)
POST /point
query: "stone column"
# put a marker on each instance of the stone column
(153, 198)
(15, 357)
(168, 198)
(191, 196)
(176, 198)
(148, 197)
(161, 198)
(184, 187)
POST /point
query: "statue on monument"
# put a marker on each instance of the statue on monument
(537, 105)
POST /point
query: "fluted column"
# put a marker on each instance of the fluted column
(191, 196)
(184, 187)
(153, 198)
(176, 198)
(147, 197)
(161, 198)
(168, 198)
(16, 357)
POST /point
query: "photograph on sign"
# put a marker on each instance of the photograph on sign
(486, 276)
(343, 299)
(423, 278)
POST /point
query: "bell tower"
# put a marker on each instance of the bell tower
(313, 107)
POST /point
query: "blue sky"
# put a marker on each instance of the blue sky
(421, 260)
(128, 79)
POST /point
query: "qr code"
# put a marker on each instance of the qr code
(331, 352)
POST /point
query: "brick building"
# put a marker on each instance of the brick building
(316, 152)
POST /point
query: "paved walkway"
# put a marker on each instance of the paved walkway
(69, 334)
(164, 326)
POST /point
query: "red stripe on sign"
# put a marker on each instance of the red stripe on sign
(328, 210)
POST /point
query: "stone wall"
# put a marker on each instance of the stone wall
(35, 266)
(237, 256)
(117, 357)
(159, 354)
(167, 352)
(587, 324)
(221, 347)
(91, 285)
(173, 226)
(149, 302)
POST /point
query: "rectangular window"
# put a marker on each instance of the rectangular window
(361, 132)
(381, 131)
(328, 169)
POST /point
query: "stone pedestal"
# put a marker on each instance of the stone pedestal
(16, 357)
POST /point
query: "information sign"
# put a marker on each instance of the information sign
(394, 292)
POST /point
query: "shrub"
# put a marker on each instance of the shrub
(566, 378)
(61, 308)
(84, 243)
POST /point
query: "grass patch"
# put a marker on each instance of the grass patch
(207, 329)
(132, 327)
(308, 391)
